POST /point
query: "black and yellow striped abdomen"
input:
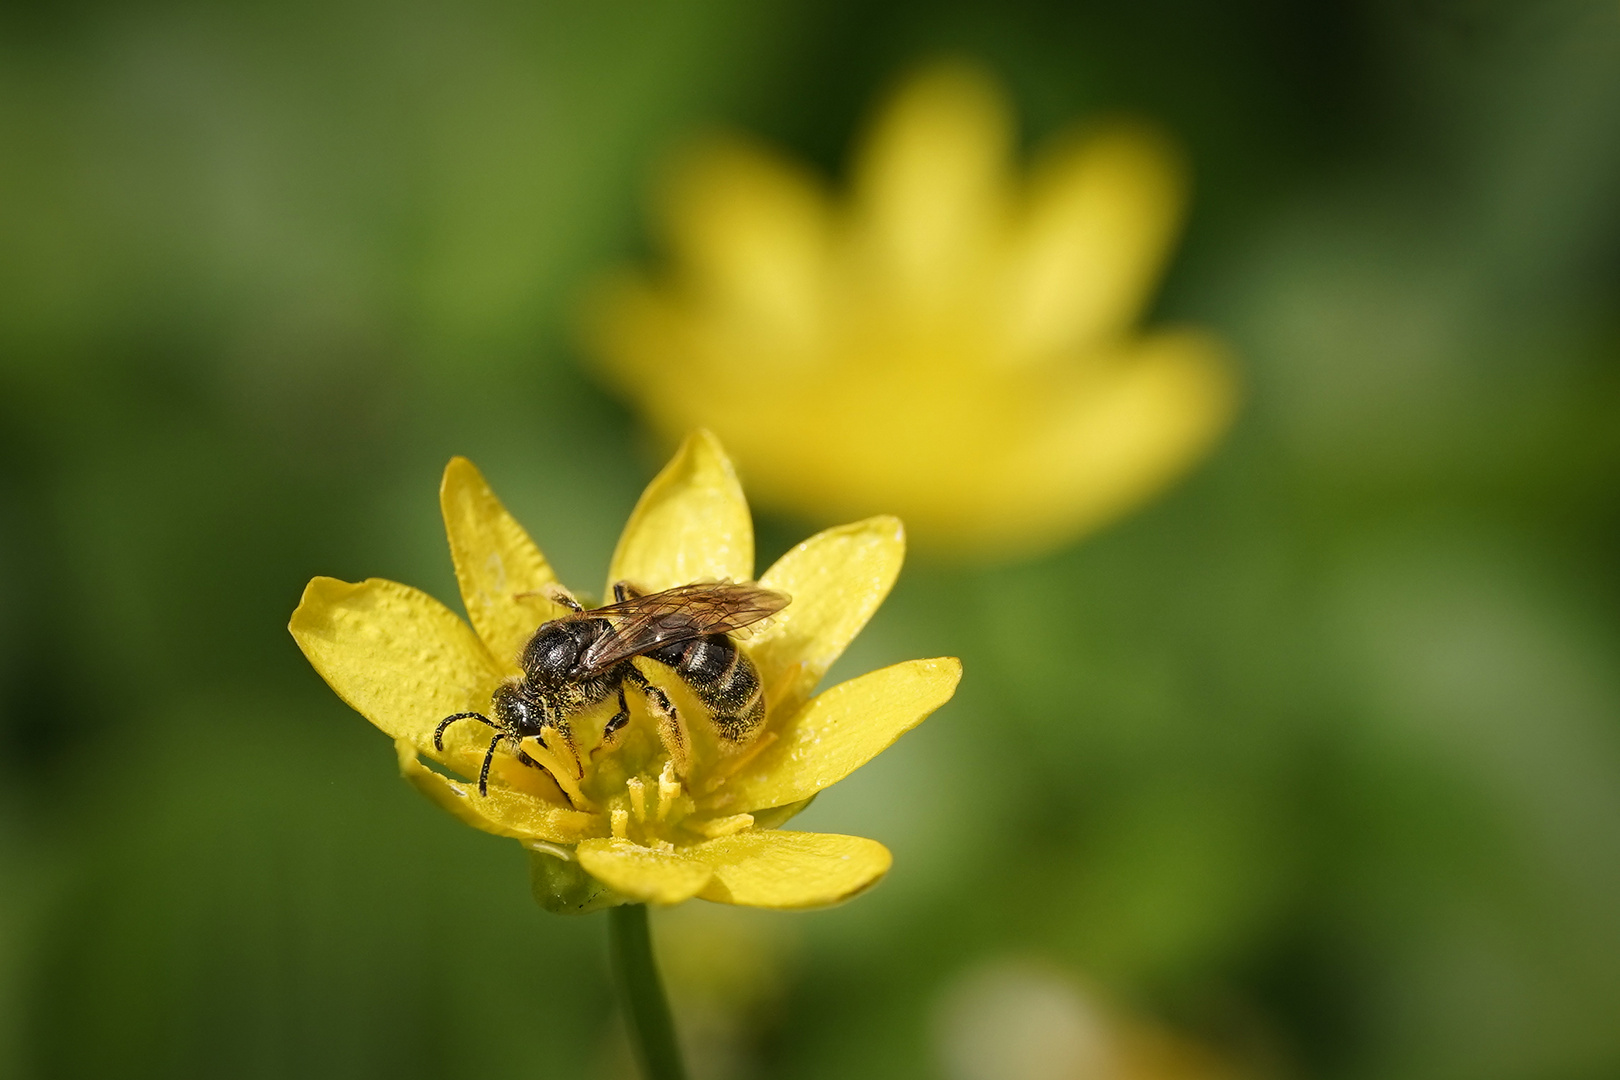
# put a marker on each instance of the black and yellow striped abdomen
(723, 679)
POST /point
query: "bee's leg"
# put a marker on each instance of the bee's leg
(559, 595)
(438, 732)
(564, 733)
(489, 756)
(616, 723)
(523, 756)
(623, 590)
(556, 594)
(671, 731)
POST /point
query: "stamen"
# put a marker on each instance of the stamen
(621, 823)
(547, 759)
(638, 797)
(669, 789)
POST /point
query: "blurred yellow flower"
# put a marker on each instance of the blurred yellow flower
(616, 819)
(956, 344)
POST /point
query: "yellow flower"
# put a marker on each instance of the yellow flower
(955, 343)
(612, 820)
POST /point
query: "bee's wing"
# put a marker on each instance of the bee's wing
(643, 623)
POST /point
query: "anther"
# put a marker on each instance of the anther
(669, 789)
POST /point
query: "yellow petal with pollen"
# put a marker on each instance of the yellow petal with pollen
(499, 569)
(646, 875)
(838, 732)
(503, 812)
(397, 656)
(691, 524)
(837, 579)
(789, 869)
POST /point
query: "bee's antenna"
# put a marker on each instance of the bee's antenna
(483, 773)
(438, 732)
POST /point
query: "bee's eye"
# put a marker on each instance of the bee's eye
(516, 713)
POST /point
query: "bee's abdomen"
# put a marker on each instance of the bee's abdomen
(723, 679)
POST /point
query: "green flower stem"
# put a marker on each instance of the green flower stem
(646, 1010)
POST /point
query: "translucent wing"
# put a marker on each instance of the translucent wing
(643, 623)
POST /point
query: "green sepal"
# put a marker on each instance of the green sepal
(562, 886)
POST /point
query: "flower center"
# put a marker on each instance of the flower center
(632, 778)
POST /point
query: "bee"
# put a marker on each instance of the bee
(580, 659)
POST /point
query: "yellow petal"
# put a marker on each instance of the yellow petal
(1110, 444)
(651, 341)
(777, 816)
(504, 812)
(932, 181)
(398, 657)
(496, 563)
(1102, 216)
(646, 875)
(752, 232)
(838, 732)
(691, 524)
(837, 579)
(774, 869)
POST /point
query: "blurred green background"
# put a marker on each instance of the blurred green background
(1316, 762)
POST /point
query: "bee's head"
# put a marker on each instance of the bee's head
(517, 712)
